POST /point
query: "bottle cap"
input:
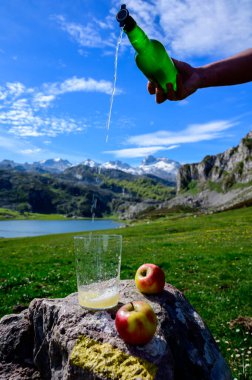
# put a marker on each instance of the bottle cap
(125, 20)
(122, 15)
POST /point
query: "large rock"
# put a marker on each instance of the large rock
(57, 339)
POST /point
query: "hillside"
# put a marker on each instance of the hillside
(79, 191)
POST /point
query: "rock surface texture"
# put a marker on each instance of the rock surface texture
(235, 164)
(57, 339)
(218, 182)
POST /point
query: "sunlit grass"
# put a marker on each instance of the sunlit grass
(7, 214)
(208, 257)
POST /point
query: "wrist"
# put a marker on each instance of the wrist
(207, 77)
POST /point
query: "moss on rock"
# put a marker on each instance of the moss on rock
(106, 360)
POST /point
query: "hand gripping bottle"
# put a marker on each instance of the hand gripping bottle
(151, 56)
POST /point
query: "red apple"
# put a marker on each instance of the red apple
(150, 279)
(136, 322)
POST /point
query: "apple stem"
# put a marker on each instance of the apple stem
(132, 305)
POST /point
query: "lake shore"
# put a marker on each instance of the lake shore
(7, 214)
(16, 228)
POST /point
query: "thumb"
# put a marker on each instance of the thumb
(183, 67)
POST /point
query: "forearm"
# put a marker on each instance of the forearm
(233, 70)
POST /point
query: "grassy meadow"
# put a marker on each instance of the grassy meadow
(208, 257)
(7, 214)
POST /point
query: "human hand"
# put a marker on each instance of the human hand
(188, 81)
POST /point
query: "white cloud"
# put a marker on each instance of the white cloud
(11, 90)
(188, 28)
(151, 143)
(195, 28)
(198, 28)
(42, 101)
(30, 152)
(22, 118)
(3, 93)
(193, 133)
(89, 34)
(16, 145)
(80, 84)
(139, 151)
(20, 107)
(8, 143)
(74, 84)
(15, 88)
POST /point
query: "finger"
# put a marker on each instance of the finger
(182, 67)
(171, 95)
(151, 88)
(160, 95)
(179, 92)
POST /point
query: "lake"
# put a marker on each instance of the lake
(24, 228)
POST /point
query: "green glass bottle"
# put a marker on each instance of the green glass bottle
(151, 56)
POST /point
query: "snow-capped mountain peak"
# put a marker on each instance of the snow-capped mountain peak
(160, 167)
(90, 163)
(149, 160)
(53, 164)
(116, 165)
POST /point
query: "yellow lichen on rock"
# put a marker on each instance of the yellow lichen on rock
(110, 362)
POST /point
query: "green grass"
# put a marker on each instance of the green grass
(7, 214)
(142, 187)
(208, 257)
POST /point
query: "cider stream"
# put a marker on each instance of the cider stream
(114, 83)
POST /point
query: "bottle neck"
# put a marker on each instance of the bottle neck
(137, 37)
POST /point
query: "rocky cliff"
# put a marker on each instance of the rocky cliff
(219, 182)
(226, 169)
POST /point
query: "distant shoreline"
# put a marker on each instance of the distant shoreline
(7, 214)
(17, 228)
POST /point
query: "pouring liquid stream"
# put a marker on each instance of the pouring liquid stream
(114, 82)
(94, 201)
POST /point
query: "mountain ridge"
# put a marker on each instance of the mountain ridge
(79, 191)
(164, 168)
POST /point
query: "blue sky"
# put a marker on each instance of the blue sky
(57, 63)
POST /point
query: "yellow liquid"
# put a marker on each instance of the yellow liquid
(98, 299)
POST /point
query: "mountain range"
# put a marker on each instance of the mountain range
(156, 186)
(159, 167)
(83, 190)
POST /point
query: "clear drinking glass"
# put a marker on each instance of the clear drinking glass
(98, 264)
